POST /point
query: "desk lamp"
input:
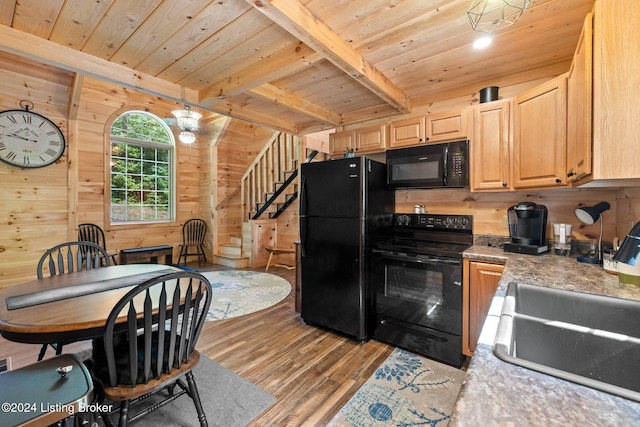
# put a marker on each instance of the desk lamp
(589, 215)
(629, 256)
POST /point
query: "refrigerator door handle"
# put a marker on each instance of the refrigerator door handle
(303, 237)
(302, 215)
(303, 196)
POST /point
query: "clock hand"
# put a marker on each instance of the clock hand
(22, 137)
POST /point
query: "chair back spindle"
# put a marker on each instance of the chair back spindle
(149, 342)
(70, 257)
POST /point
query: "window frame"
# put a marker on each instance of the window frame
(171, 147)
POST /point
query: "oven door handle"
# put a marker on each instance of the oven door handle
(423, 259)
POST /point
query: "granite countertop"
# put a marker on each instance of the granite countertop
(497, 393)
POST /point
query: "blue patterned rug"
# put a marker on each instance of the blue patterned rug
(236, 293)
(406, 390)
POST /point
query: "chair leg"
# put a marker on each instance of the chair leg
(193, 391)
(43, 350)
(183, 253)
(124, 414)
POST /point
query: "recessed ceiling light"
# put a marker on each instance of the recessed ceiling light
(482, 42)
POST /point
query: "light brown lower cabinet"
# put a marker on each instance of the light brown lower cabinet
(480, 281)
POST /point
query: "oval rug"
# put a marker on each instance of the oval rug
(236, 293)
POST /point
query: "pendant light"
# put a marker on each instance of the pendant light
(188, 124)
(490, 16)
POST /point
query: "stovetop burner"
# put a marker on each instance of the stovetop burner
(431, 234)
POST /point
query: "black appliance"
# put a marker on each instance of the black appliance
(345, 207)
(527, 228)
(429, 166)
(418, 280)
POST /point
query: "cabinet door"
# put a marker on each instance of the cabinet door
(490, 146)
(447, 126)
(616, 90)
(407, 132)
(579, 106)
(371, 139)
(479, 288)
(340, 142)
(540, 136)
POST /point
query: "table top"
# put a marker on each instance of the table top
(69, 307)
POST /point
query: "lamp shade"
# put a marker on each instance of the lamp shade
(590, 214)
(187, 119)
(492, 15)
(629, 252)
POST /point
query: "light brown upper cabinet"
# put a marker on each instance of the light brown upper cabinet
(406, 132)
(579, 106)
(436, 127)
(341, 142)
(490, 146)
(540, 136)
(616, 90)
(446, 126)
(371, 139)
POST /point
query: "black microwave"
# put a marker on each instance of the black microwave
(429, 166)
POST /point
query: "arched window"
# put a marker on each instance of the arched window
(142, 169)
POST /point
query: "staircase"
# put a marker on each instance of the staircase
(267, 188)
(272, 173)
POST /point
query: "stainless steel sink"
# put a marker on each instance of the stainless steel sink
(589, 339)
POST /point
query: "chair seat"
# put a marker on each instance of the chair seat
(124, 392)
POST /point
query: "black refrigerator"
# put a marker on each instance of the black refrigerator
(345, 208)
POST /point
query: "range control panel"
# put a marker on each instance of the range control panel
(433, 222)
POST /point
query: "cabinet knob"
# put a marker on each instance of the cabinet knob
(570, 174)
(558, 181)
(504, 184)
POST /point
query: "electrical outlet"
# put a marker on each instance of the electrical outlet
(505, 222)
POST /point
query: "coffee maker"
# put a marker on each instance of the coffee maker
(527, 228)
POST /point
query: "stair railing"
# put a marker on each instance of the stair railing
(275, 163)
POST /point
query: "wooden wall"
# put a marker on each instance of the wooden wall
(42, 207)
(33, 203)
(489, 209)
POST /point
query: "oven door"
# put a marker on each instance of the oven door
(419, 290)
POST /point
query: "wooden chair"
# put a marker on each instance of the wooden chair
(155, 349)
(66, 258)
(193, 234)
(88, 232)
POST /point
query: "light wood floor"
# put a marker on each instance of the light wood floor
(311, 372)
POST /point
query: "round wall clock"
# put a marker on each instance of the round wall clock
(29, 140)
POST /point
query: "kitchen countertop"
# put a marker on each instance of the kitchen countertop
(497, 393)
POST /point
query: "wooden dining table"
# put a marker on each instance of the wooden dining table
(69, 307)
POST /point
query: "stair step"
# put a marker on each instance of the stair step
(230, 250)
(235, 241)
(231, 261)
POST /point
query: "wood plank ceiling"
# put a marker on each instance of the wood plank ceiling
(294, 65)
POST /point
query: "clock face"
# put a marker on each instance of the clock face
(29, 140)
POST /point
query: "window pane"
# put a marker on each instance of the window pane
(141, 170)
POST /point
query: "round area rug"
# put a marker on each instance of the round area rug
(236, 293)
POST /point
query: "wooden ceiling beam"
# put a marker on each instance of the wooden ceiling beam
(279, 96)
(29, 46)
(296, 19)
(287, 61)
(35, 48)
(237, 111)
